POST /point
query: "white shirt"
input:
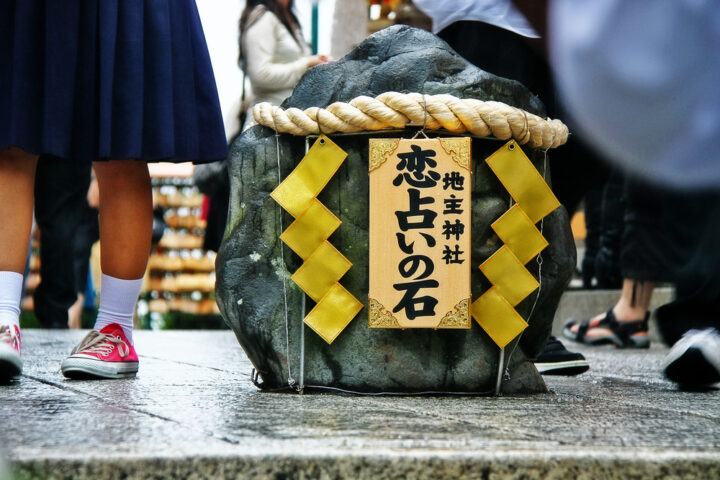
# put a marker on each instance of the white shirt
(501, 13)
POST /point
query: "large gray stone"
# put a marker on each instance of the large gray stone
(251, 264)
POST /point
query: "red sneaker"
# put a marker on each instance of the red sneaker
(103, 354)
(10, 361)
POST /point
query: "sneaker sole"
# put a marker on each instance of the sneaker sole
(567, 368)
(692, 369)
(10, 364)
(86, 368)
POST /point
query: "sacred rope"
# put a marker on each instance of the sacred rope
(400, 110)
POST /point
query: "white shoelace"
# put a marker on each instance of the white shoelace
(100, 343)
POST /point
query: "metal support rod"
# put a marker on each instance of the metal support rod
(301, 387)
(501, 368)
(302, 347)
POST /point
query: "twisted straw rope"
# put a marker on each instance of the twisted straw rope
(398, 110)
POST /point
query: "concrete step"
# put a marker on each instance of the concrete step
(192, 412)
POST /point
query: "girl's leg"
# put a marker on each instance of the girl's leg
(125, 237)
(125, 217)
(125, 234)
(17, 178)
(17, 174)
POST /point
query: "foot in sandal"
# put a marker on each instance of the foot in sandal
(606, 328)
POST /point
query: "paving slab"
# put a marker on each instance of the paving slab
(192, 412)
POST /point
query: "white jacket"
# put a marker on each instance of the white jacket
(274, 61)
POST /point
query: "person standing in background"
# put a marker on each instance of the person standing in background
(273, 53)
(640, 79)
(61, 188)
(494, 36)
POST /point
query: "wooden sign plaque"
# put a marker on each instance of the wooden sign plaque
(420, 233)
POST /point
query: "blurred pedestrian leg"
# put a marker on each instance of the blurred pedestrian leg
(61, 187)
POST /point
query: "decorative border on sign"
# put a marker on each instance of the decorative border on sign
(458, 149)
(380, 149)
(379, 316)
(459, 317)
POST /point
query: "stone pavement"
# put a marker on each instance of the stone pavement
(193, 413)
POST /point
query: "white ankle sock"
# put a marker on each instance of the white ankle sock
(11, 284)
(117, 303)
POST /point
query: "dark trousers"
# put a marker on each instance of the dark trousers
(697, 304)
(60, 201)
(605, 222)
(87, 233)
(675, 237)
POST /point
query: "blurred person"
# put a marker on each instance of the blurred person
(115, 83)
(625, 325)
(213, 181)
(273, 58)
(497, 38)
(87, 234)
(604, 207)
(640, 79)
(273, 53)
(66, 225)
(657, 235)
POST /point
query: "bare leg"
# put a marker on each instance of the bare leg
(17, 178)
(125, 234)
(75, 312)
(125, 217)
(634, 300)
(633, 304)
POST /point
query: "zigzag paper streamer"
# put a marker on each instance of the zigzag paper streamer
(307, 236)
(505, 269)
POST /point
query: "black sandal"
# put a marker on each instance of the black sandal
(624, 334)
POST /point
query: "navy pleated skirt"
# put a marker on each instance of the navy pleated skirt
(108, 79)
